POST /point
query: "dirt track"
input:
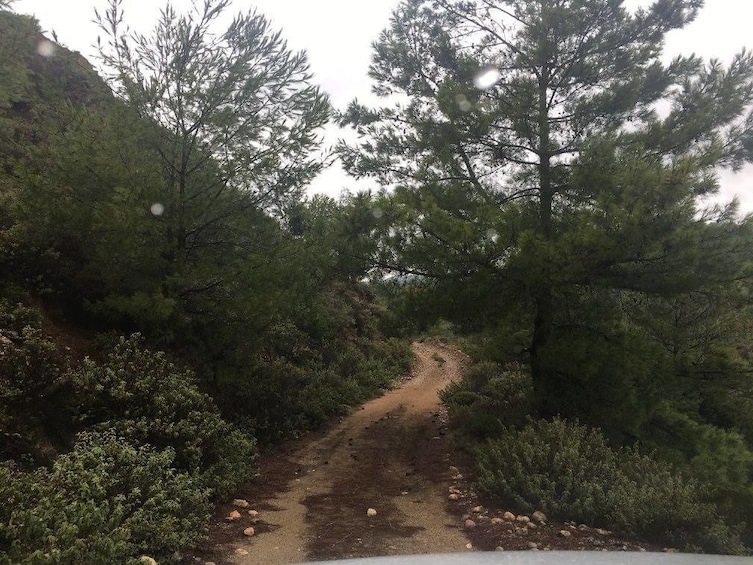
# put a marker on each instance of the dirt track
(391, 455)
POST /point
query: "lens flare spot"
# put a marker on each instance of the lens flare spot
(486, 78)
(463, 103)
(377, 213)
(157, 209)
(46, 48)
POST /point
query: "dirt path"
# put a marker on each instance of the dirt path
(392, 455)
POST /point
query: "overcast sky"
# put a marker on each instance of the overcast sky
(337, 35)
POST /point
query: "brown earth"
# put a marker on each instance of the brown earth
(393, 455)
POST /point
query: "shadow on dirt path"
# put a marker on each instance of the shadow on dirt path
(392, 455)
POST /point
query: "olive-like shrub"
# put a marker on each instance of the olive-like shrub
(144, 397)
(568, 470)
(107, 501)
(32, 373)
(487, 399)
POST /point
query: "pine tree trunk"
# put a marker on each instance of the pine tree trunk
(541, 370)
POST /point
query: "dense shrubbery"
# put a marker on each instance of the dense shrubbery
(686, 476)
(108, 501)
(31, 374)
(719, 458)
(147, 399)
(313, 382)
(155, 447)
(488, 398)
(309, 365)
(568, 470)
(138, 481)
(29, 362)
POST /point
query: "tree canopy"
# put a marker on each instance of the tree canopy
(545, 161)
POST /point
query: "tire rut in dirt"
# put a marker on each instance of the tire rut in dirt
(395, 458)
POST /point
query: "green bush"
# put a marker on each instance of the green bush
(31, 376)
(395, 353)
(709, 453)
(145, 398)
(29, 363)
(107, 501)
(569, 471)
(304, 384)
(488, 398)
(719, 458)
(263, 402)
(327, 394)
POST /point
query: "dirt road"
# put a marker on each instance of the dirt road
(391, 455)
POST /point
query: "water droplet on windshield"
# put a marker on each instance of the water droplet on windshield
(157, 209)
(377, 213)
(463, 103)
(46, 48)
(486, 78)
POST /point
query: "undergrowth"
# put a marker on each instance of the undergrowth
(570, 471)
(567, 470)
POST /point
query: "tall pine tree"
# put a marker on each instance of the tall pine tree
(544, 160)
(235, 114)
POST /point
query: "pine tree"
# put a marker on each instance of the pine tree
(234, 110)
(544, 155)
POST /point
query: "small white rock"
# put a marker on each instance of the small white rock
(253, 513)
(241, 503)
(371, 512)
(249, 531)
(241, 551)
(564, 533)
(470, 523)
(146, 560)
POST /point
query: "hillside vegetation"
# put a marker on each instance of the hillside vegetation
(157, 325)
(171, 300)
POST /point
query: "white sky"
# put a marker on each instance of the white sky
(337, 35)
